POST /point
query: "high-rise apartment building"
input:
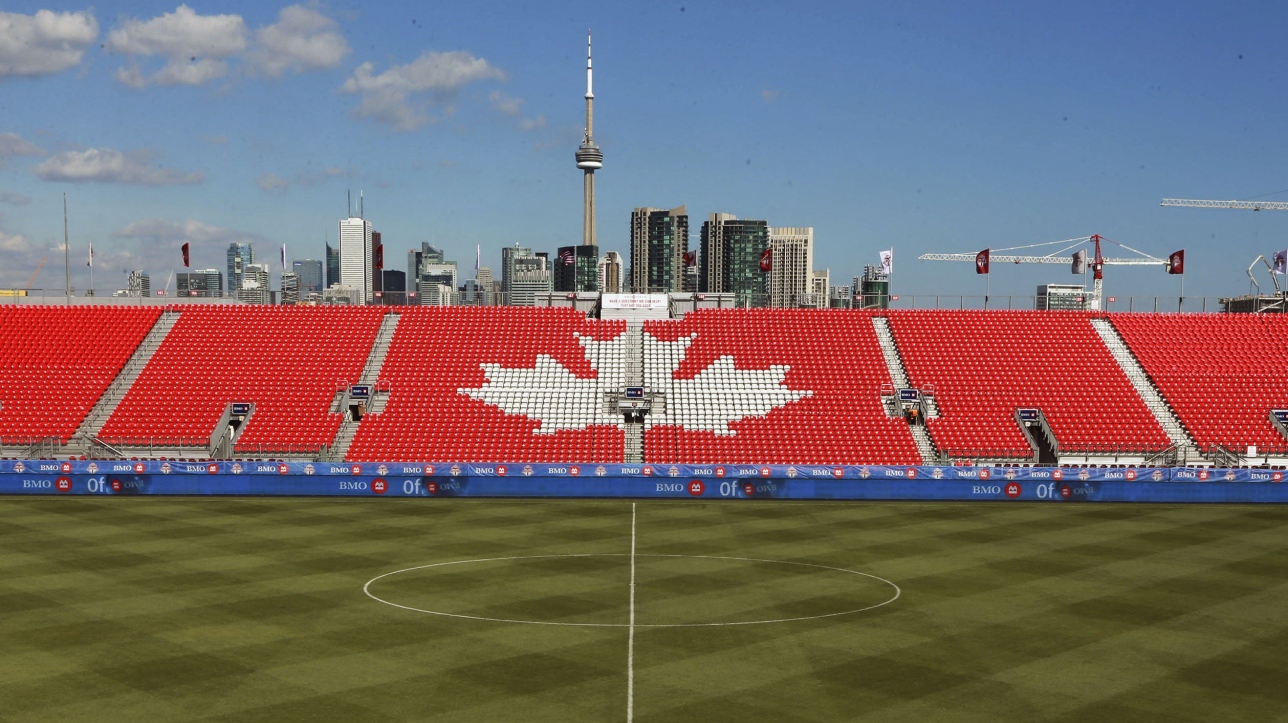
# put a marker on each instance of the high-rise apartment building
(611, 273)
(731, 253)
(290, 288)
(255, 288)
(239, 257)
(792, 267)
(659, 242)
(576, 268)
(332, 266)
(434, 275)
(138, 284)
(355, 257)
(310, 273)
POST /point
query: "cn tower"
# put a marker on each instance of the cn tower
(589, 158)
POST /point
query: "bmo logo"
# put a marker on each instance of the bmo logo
(1012, 490)
(696, 488)
(63, 484)
(66, 468)
(911, 473)
(500, 471)
(379, 486)
(355, 469)
(573, 470)
(720, 472)
(764, 472)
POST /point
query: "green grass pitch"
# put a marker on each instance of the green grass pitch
(253, 609)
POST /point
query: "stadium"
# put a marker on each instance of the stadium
(561, 513)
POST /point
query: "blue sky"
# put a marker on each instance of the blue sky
(926, 127)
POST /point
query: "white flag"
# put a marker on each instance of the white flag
(283, 257)
(1281, 262)
(887, 261)
(91, 255)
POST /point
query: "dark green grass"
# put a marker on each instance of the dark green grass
(252, 609)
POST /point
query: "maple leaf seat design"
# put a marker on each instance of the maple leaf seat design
(771, 386)
(497, 384)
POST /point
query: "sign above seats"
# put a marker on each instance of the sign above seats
(634, 301)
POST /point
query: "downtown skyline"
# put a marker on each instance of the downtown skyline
(922, 129)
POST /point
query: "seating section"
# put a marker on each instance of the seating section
(1222, 373)
(775, 386)
(287, 361)
(986, 364)
(498, 384)
(56, 361)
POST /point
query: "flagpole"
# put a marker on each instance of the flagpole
(988, 280)
(91, 268)
(67, 254)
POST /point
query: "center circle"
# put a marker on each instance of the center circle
(671, 591)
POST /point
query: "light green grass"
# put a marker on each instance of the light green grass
(162, 609)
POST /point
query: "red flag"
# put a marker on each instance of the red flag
(766, 260)
(690, 258)
(380, 257)
(1176, 262)
(981, 262)
(184, 248)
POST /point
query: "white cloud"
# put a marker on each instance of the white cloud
(532, 124)
(768, 95)
(105, 165)
(302, 39)
(194, 46)
(506, 104)
(12, 144)
(14, 199)
(14, 243)
(272, 182)
(398, 96)
(191, 231)
(44, 43)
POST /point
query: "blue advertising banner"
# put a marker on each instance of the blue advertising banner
(155, 477)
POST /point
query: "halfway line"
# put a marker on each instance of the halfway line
(630, 635)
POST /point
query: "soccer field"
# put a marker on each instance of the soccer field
(253, 609)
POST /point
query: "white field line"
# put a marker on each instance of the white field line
(630, 635)
(367, 590)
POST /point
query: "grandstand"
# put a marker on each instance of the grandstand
(733, 386)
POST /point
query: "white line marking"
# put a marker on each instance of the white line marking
(367, 589)
(630, 636)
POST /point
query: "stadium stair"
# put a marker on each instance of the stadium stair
(899, 376)
(85, 440)
(370, 376)
(1186, 450)
(634, 431)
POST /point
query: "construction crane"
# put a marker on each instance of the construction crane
(1097, 261)
(34, 274)
(1245, 205)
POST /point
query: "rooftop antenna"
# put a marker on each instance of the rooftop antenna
(349, 195)
(360, 205)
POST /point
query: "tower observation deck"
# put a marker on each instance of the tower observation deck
(589, 159)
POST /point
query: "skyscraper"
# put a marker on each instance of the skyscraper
(659, 242)
(576, 268)
(255, 285)
(790, 277)
(203, 283)
(310, 273)
(731, 251)
(529, 276)
(509, 257)
(355, 257)
(239, 257)
(332, 266)
(589, 159)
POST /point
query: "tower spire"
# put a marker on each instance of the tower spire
(589, 158)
